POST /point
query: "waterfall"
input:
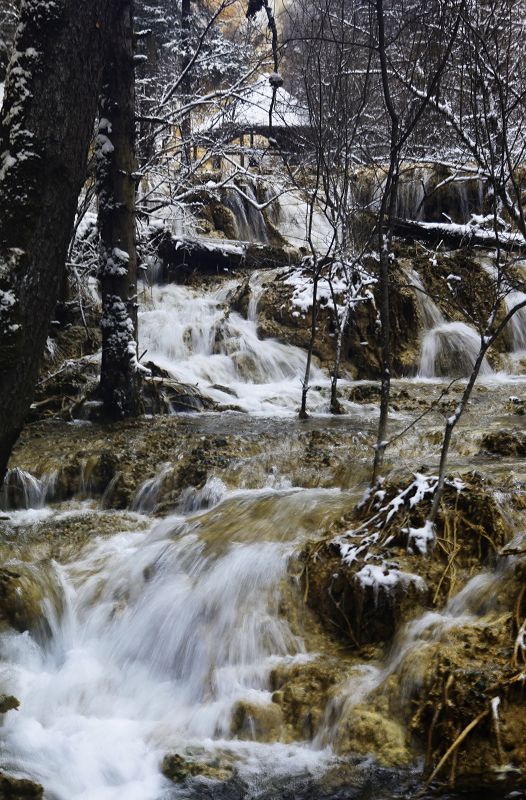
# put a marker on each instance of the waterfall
(200, 341)
(429, 311)
(475, 604)
(448, 349)
(518, 321)
(147, 494)
(420, 196)
(22, 490)
(250, 222)
(411, 194)
(292, 219)
(156, 638)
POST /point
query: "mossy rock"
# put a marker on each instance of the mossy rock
(8, 703)
(224, 220)
(302, 692)
(19, 788)
(471, 528)
(461, 678)
(179, 769)
(21, 601)
(504, 443)
(262, 722)
(367, 732)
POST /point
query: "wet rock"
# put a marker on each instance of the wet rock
(224, 220)
(262, 723)
(162, 394)
(505, 443)
(21, 599)
(62, 392)
(364, 612)
(8, 703)
(365, 393)
(516, 405)
(18, 788)
(302, 691)
(366, 598)
(179, 769)
(279, 317)
(365, 731)
(469, 679)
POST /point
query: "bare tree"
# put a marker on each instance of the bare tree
(408, 36)
(334, 90)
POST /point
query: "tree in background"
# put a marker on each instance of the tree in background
(410, 42)
(334, 63)
(9, 13)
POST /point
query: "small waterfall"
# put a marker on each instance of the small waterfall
(201, 342)
(450, 350)
(292, 220)
(475, 604)
(422, 197)
(256, 285)
(250, 222)
(21, 490)
(430, 312)
(210, 495)
(147, 494)
(412, 191)
(518, 321)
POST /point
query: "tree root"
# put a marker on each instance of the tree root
(456, 744)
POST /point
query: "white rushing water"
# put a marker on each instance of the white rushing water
(155, 637)
(20, 489)
(518, 321)
(448, 349)
(201, 342)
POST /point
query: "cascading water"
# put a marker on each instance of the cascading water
(293, 219)
(448, 349)
(475, 604)
(249, 220)
(20, 489)
(154, 638)
(518, 321)
(199, 340)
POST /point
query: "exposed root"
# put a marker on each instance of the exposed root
(456, 744)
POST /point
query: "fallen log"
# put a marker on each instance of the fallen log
(458, 235)
(182, 257)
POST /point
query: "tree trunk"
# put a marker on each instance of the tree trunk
(52, 87)
(116, 169)
(186, 122)
(456, 235)
(313, 329)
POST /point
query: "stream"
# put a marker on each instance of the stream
(163, 635)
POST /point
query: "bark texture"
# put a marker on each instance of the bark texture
(116, 177)
(52, 86)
